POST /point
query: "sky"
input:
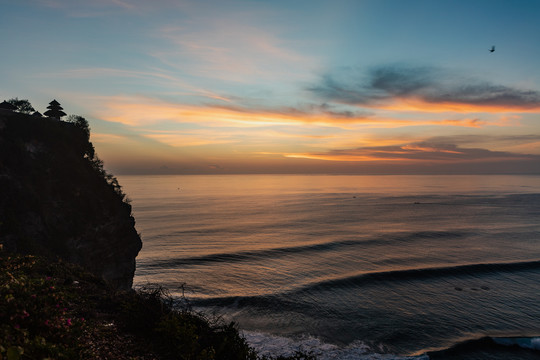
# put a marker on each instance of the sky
(333, 87)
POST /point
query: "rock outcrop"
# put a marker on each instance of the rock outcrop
(55, 201)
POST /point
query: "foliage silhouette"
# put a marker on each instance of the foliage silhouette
(90, 154)
(81, 123)
(23, 105)
(57, 310)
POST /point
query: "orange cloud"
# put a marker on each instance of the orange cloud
(141, 111)
(420, 152)
(176, 139)
(476, 123)
(419, 104)
(421, 148)
(330, 157)
(288, 130)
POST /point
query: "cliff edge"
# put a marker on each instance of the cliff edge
(56, 200)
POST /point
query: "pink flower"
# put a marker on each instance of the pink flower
(46, 322)
(68, 322)
(17, 326)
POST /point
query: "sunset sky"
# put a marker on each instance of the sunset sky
(360, 86)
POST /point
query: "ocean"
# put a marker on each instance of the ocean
(351, 267)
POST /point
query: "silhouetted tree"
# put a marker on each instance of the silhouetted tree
(23, 106)
(81, 123)
(55, 110)
(7, 106)
(95, 161)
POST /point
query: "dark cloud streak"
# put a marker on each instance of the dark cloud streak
(431, 150)
(433, 85)
(304, 111)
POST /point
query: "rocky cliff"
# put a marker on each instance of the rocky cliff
(56, 200)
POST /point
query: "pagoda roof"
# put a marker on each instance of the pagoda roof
(54, 102)
(56, 113)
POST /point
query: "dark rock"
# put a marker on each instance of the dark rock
(54, 202)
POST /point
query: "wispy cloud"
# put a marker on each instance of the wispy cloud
(85, 73)
(401, 87)
(81, 8)
(475, 123)
(468, 140)
(157, 77)
(518, 144)
(107, 138)
(417, 152)
(189, 138)
(143, 111)
(238, 52)
(99, 8)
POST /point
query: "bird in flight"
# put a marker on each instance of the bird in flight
(492, 49)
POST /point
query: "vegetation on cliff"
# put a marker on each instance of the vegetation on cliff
(56, 310)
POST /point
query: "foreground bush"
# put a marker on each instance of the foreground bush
(178, 331)
(55, 310)
(38, 318)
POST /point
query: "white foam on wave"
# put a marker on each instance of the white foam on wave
(525, 342)
(273, 345)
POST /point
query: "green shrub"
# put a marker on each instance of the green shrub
(177, 331)
(36, 319)
(56, 310)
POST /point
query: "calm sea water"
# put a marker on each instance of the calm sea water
(351, 267)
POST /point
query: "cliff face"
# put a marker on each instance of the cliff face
(54, 202)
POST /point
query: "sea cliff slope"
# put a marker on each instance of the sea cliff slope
(55, 201)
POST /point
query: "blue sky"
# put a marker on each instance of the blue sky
(279, 86)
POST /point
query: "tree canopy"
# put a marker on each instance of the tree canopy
(81, 123)
(23, 105)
